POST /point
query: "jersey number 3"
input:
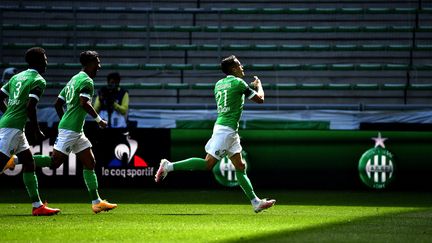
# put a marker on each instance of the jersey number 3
(17, 89)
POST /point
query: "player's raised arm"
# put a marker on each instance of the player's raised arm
(259, 96)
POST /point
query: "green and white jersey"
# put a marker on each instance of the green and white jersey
(80, 85)
(20, 88)
(229, 93)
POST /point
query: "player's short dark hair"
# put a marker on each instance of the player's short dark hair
(87, 57)
(35, 56)
(115, 76)
(227, 64)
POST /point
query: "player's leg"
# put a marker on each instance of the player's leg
(213, 147)
(71, 141)
(31, 184)
(246, 185)
(190, 164)
(242, 178)
(40, 161)
(7, 162)
(54, 161)
(8, 143)
(59, 155)
(88, 160)
(58, 158)
(43, 160)
(62, 147)
(211, 161)
(234, 152)
(15, 140)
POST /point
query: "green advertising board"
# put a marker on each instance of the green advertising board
(298, 157)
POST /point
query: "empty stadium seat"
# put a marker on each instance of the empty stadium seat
(346, 47)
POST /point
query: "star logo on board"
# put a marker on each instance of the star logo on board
(379, 141)
(376, 165)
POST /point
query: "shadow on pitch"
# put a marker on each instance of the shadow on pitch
(233, 196)
(412, 226)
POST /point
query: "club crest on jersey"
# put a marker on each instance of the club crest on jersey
(376, 165)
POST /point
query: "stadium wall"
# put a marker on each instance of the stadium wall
(290, 159)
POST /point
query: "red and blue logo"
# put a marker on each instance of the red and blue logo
(124, 154)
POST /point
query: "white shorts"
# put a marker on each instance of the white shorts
(224, 141)
(12, 141)
(69, 141)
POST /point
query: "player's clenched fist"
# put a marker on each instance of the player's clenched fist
(256, 82)
(103, 124)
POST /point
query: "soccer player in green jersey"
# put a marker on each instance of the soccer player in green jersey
(225, 141)
(23, 90)
(77, 95)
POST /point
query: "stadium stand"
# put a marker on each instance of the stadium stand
(306, 52)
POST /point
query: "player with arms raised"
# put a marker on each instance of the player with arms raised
(24, 91)
(77, 95)
(225, 141)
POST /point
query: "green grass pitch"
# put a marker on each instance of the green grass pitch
(168, 215)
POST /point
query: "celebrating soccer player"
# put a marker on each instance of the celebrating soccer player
(77, 95)
(24, 91)
(225, 141)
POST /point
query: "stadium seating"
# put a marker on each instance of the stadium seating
(278, 86)
(216, 28)
(229, 47)
(304, 52)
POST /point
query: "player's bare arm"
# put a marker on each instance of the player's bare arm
(86, 104)
(32, 115)
(259, 97)
(3, 99)
(58, 105)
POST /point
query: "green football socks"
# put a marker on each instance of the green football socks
(245, 184)
(42, 160)
(31, 184)
(91, 182)
(190, 164)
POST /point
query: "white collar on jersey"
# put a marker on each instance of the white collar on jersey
(32, 70)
